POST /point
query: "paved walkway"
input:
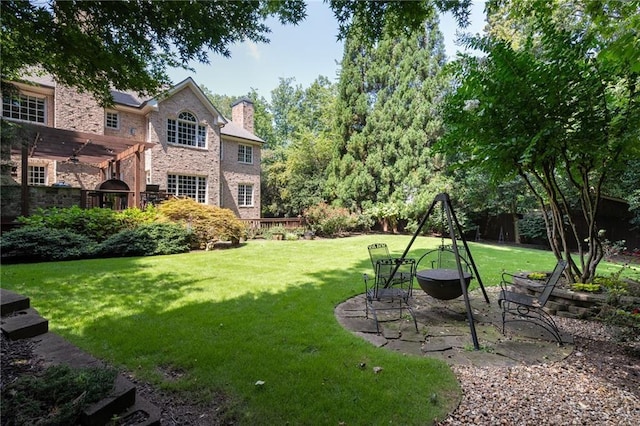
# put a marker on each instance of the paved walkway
(444, 333)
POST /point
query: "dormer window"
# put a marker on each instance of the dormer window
(186, 131)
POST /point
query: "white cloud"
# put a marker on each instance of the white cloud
(254, 50)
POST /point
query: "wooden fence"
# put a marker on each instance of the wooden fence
(267, 223)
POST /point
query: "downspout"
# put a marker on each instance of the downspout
(220, 175)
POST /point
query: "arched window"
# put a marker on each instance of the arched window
(186, 131)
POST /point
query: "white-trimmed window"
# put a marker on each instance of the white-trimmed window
(245, 195)
(24, 107)
(36, 175)
(186, 131)
(245, 154)
(112, 120)
(188, 186)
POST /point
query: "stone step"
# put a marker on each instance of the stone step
(122, 397)
(19, 321)
(142, 413)
(11, 302)
(124, 403)
(24, 324)
(124, 406)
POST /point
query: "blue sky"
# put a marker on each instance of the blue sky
(303, 52)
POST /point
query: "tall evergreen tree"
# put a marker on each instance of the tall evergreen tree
(388, 120)
(352, 108)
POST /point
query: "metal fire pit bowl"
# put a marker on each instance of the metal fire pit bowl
(442, 284)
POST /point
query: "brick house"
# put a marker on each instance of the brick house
(176, 144)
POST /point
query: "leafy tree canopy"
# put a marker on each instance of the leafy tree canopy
(95, 46)
(559, 108)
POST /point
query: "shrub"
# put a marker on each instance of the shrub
(532, 227)
(97, 223)
(134, 217)
(38, 244)
(57, 397)
(328, 220)
(538, 276)
(147, 240)
(208, 223)
(586, 287)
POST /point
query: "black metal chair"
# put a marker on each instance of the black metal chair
(392, 285)
(523, 307)
(380, 251)
(377, 252)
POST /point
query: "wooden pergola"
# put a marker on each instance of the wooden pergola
(79, 148)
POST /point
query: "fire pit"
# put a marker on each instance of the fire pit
(442, 284)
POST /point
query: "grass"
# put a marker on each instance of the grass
(220, 321)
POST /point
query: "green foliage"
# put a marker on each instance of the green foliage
(64, 234)
(589, 288)
(55, 398)
(551, 110)
(294, 165)
(610, 249)
(133, 217)
(275, 232)
(147, 240)
(207, 223)
(36, 244)
(96, 223)
(532, 227)
(327, 220)
(114, 53)
(387, 119)
(612, 283)
(376, 19)
(537, 276)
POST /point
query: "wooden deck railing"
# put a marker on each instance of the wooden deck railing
(266, 223)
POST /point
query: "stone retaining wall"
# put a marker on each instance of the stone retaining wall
(568, 303)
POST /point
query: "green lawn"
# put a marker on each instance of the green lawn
(219, 321)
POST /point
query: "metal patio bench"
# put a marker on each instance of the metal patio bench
(523, 307)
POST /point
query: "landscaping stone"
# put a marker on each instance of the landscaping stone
(568, 303)
(524, 377)
(24, 324)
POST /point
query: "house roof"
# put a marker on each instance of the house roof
(61, 145)
(127, 98)
(134, 100)
(229, 128)
(237, 131)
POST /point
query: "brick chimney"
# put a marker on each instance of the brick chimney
(242, 113)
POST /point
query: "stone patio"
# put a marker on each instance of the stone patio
(444, 333)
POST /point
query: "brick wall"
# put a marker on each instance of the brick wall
(82, 176)
(77, 111)
(242, 114)
(235, 173)
(132, 126)
(181, 160)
